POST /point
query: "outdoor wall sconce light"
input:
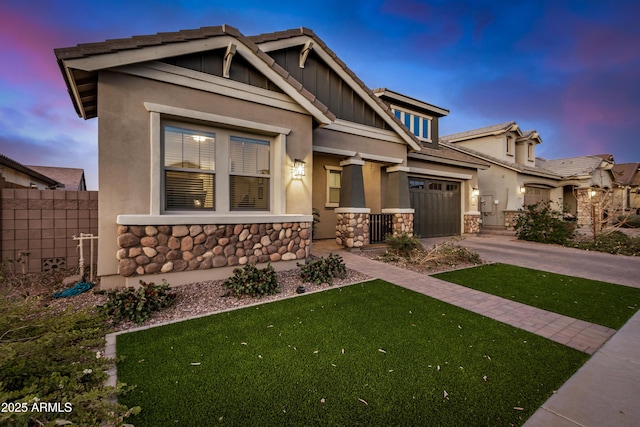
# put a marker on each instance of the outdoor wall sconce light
(592, 193)
(522, 189)
(475, 192)
(298, 169)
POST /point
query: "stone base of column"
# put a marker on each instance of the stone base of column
(471, 223)
(352, 227)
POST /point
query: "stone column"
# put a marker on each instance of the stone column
(397, 200)
(352, 217)
(471, 222)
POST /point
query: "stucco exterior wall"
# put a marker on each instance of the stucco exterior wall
(125, 154)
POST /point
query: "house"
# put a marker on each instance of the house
(513, 180)
(215, 148)
(517, 177)
(71, 179)
(626, 194)
(17, 175)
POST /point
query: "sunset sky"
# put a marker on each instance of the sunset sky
(569, 69)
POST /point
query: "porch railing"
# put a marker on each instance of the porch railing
(379, 226)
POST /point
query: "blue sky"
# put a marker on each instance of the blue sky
(569, 69)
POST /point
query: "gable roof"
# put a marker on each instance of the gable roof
(627, 173)
(10, 163)
(70, 178)
(409, 101)
(80, 64)
(496, 129)
(575, 167)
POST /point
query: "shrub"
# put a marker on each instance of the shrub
(404, 244)
(630, 221)
(52, 356)
(138, 304)
(615, 242)
(323, 270)
(252, 281)
(539, 223)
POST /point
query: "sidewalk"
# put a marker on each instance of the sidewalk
(604, 391)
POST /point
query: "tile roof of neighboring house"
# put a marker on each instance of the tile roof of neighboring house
(70, 178)
(4, 160)
(573, 166)
(627, 173)
(496, 129)
(536, 171)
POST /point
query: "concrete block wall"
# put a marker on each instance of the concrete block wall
(43, 223)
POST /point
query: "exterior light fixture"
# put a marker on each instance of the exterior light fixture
(522, 189)
(475, 192)
(592, 193)
(298, 169)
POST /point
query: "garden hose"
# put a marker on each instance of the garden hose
(77, 289)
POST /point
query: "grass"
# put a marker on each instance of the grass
(366, 354)
(597, 302)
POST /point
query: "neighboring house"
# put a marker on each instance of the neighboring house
(513, 179)
(71, 178)
(627, 187)
(215, 148)
(517, 177)
(587, 182)
(17, 175)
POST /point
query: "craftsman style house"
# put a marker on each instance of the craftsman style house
(517, 177)
(215, 148)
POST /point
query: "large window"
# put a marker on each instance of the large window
(196, 177)
(249, 174)
(419, 125)
(189, 169)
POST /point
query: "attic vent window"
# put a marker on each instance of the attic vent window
(419, 125)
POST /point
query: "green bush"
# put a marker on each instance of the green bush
(323, 270)
(404, 244)
(630, 221)
(540, 223)
(48, 356)
(615, 242)
(252, 281)
(138, 304)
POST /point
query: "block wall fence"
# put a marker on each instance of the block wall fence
(43, 223)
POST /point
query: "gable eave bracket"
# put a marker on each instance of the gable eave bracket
(304, 53)
(228, 57)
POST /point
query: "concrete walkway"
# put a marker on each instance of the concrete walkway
(604, 392)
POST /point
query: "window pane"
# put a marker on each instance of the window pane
(334, 195)
(416, 125)
(249, 156)
(397, 113)
(189, 190)
(248, 193)
(407, 120)
(189, 149)
(334, 179)
(425, 128)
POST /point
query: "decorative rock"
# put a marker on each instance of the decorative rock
(237, 229)
(274, 257)
(128, 240)
(122, 229)
(152, 268)
(140, 270)
(174, 255)
(126, 267)
(210, 242)
(159, 259)
(164, 229)
(179, 265)
(224, 241)
(142, 260)
(179, 231)
(265, 241)
(232, 260)
(186, 244)
(243, 260)
(167, 267)
(134, 252)
(243, 235)
(219, 261)
(193, 264)
(150, 230)
(173, 243)
(209, 229)
(150, 252)
(121, 254)
(136, 230)
(194, 230)
(263, 258)
(300, 253)
(149, 241)
(187, 256)
(288, 256)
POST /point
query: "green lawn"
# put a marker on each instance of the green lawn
(590, 300)
(366, 354)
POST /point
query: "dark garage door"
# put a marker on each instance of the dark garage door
(437, 207)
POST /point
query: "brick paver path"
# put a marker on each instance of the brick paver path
(584, 336)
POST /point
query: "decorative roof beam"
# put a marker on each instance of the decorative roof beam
(228, 56)
(305, 52)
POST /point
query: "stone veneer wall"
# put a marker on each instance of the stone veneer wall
(510, 219)
(175, 248)
(352, 229)
(471, 224)
(402, 223)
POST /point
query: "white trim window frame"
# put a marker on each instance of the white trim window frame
(419, 124)
(509, 146)
(224, 128)
(333, 173)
